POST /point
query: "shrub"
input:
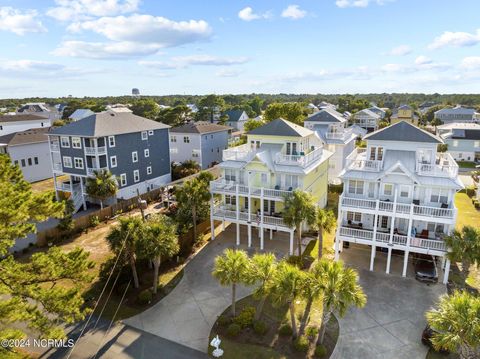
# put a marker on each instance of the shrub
(285, 330)
(320, 351)
(144, 297)
(245, 318)
(295, 260)
(311, 332)
(224, 320)
(94, 221)
(259, 327)
(301, 344)
(233, 330)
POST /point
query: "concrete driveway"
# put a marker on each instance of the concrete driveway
(391, 323)
(188, 313)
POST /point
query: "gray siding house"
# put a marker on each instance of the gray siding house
(456, 114)
(202, 142)
(236, 119)
(20, 122)
(133, 148)
(30, 151)
(463, 140)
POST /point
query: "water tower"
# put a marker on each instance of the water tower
(135, 92)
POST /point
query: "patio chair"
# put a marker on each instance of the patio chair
(424, 234)
(444, 205)
(416, 202)
(277, 187)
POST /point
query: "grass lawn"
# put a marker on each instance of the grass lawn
(46, 184)
(465, 164)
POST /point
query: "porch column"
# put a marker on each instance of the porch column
(249, 205)
(337, 235)
(238, 234)
(212, 227)
(71, 185)
(374, 238)
(249, 235)
(223, 224)
(261, 219)
(447, 271)
(83, 197)
(409, 237)
(271, 234)
(392, 227)
(237, 210)
(55, 186)
(97, 160)
(291, 243)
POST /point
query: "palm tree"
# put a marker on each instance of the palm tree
(339, 287)
(287, 288)
(299, 208)
(232, 268)
(160, 241)
(102, 186)
(457, 325)
(192, 196)
(263, 269)
(127, 235)
(324, 221)
(464, 247)
(311, 290)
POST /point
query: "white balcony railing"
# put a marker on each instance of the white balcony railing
(226, 213)
(101, 150)
(239, 153)
(300, 160)
(357, 160)
(230, 187)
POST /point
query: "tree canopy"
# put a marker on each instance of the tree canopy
(290, 111)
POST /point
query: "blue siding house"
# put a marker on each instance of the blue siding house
(134, 149)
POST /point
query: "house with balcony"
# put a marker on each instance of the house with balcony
(462, 139)
(367, 119)
(456, 114)
(278, 158)
(133, 148)
(398, 196)
(330, 126)
(382, 112)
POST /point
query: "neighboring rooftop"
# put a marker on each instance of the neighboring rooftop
(281, 127)
(199, 127)
(459, 125)
(234, 115)
(456, 110)
(403, 131)
(21, 117)
(34, 135)
(327, 115)
(404, 107)
(33, 107)
(368, 112)
(81, 113)
(108, 123)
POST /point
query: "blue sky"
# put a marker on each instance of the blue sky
(99, 48)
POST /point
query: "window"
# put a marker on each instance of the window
(150, 133)
(144, 135)
(123, 179)
(455, 143)
(134, 156)
(263, 178)
(354, 216)
(355, 187)
(376, 153)
(291, 181)
(229, 175)
(439, 195)
(78, 162)
(113, 161)
(29, 161)
(388, 189)
(146, 152)
(173, 150)
(291, 148)
(186, 139)
(111, 141)
(173, 138)
(76, 142)
(404, 191)
(35, 160)
(384, 223)
(64, 142)
(195, 153)
(23, 163)
(67, 162)
(231, 200)
(255, 144)
(16, 162)
(149, 170)
(136, 176)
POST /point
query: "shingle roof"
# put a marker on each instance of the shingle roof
(108, 123)
(234, 115)
(81, 113)
(34, 135)
(281, 127)
(19, 118)
(466, 135)
(404, 107)
(368, 112)
(456, 110)
(403, 131)
(327, 115)
(199, 127)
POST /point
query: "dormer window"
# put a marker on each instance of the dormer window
(376, 153)
(291, 148)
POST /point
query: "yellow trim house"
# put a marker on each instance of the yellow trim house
(404, 113)
(278, 158)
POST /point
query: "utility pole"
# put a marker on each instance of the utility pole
(142, 204)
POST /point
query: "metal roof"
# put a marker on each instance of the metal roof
(281, 127)
(403, 131)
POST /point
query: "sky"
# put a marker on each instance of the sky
(107, 47)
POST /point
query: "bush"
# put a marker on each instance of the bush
(285, 330)
(301, 344)
(224, 320)
(259, 327)
(295, 260)
(320, 351)
(94, 221)
(144, 297)
(233, 330)
(311, 332)
(245, 318)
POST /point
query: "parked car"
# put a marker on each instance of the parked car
(427, 335)
(426, 269)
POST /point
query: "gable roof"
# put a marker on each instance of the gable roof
(199, 127)
(327, 115)
(20, 118)
(34, 135)
(281, 127)
(108, 123)
(404, 107)
(81, 113)
(234, 115)
(368, 112)
(459, 110)
(403, 131)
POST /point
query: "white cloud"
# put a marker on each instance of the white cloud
(455, 39)
(194, 60)
(227, 73)
(39, 69)
(401, 50)
(293, 12)
(81, 9)
(105, 50)
(247, 14)
(423, 60)
(471, 63)
(359, 3)
(20, 22)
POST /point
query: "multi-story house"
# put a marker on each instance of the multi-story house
(17, 123)
(456, 114)
(278, 158)
(404, 113)
(367, 119)
(30, 151)
(462, 140)
(202, 142)
(379, 111)
(399, 195)
(236, 119)
(134, 149)
(330, 127)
